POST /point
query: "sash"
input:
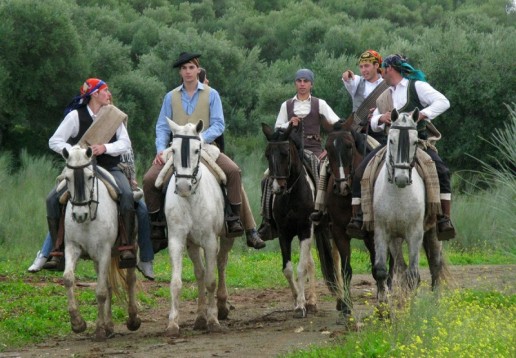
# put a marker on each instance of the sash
(361, 115)
(104, 127)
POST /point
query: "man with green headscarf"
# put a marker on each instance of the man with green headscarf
(407, 90)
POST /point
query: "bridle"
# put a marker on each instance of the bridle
(342, 176)
(403, 153)
(278, 172)
(185, 159)
(79, 197)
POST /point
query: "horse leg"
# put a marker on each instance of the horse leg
(71, 256)
(102, 294)
(223, 306)
(380, 263)
(307, 269)
(433, 250)
(288, 271)
(343, 244)
(133, 321)
(414, 241)
(175, 248)
(210, 255)
(194, 252)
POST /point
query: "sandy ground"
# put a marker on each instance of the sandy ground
(260, 325)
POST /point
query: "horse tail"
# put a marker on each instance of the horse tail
(323, 243)
(118, 280)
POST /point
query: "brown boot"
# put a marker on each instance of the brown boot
(445, 228)
(354, 228)
(254, 240)
(126, 248)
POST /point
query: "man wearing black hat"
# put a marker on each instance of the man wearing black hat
(308, 111)
(189, 103)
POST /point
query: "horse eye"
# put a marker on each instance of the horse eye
(197, 151)
(391, 141)
(173, 151)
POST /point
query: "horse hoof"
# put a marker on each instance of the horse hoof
(223, 313)
(215, 327)
(172, 331)
(344, 319)
(300, 313)
(79, 327)
(200, 323)
(133, 324)
(311, 308)
(100, 335)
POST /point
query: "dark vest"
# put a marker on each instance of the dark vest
(413, 102)
(312, 122)
(105, 160)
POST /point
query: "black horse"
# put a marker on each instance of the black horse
(292, 204)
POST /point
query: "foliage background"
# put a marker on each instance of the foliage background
(251, 50)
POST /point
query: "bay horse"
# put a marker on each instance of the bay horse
(91, 229)
(399, 208)
(294, 196)
(194, 210)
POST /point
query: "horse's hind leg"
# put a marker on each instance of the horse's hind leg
(307, 261)
(222, 293)
(194, 252)
(433, 250)
(76, 320)
(133, 321)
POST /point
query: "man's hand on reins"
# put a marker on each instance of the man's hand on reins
(158, 160)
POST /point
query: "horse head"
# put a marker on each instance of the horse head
(81, 183)
(186, 153)
(283, 155)
(401, 147)
(342, 154)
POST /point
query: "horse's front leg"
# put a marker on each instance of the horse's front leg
(306, 272)
(222, 292)
(72, 255)
(210, 255)
(380, 264)
(194, 252)
(415, 240)
(288, 270)
(175, 249)
(104, 327)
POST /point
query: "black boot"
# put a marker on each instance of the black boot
(316, 217)
(254, 240)
(267, 230)
(56, 261)
(233, 223)
(127, 250)
(354, 228)
(158, 236)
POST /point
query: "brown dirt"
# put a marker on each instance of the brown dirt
(261, 324)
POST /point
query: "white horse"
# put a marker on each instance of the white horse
(399, 203)
(194, 209)
(91, 229)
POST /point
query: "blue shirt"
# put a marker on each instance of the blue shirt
(217, 124)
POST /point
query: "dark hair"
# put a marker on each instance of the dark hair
(202, 75)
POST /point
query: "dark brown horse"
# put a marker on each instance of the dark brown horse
(294, 194)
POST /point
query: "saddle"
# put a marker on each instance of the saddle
(426, 169)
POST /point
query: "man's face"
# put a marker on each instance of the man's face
(303, 86)
(189, 72)
(103, 96)
(369, 71)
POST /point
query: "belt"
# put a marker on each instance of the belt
(313, 136)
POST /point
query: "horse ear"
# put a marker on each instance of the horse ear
(65, 153)
(89, 152)
(394, 115)
(199, 126)
(415, 114)
(173, 126)
(267, 130)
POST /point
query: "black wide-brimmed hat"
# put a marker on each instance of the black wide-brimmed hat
(185, 57)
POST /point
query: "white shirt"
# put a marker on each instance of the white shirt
(69, 128)
(434, 101)
(302, 109)
(352, 85)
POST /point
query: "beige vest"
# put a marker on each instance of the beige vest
(201, 111)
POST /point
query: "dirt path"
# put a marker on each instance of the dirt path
(261, 324)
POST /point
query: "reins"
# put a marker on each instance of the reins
(185, 158)
(402, 153)
(78, 174)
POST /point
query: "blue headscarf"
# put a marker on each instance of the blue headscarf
(400, 64)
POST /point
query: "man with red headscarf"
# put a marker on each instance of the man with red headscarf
(80, 115)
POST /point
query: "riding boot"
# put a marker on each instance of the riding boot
(445, 228)
(254, 240)
(233, 223)
(56, 262)
(320, 198)
(126, 248)
(158, 235)
(267, 230)
(354, 228)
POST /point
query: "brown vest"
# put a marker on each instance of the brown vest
(312, 122)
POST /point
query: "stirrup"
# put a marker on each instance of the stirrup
(316, 217)
(354, 229)
(445, 229)
(237, 229)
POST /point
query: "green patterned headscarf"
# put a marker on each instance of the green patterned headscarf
(400, 64)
